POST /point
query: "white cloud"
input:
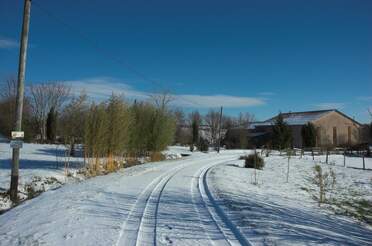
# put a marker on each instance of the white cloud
(6, 43)
(365, 98)
(208, 101)
(330, 105)
(266, 93)
(101, 88)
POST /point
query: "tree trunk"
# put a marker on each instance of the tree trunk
(72, 147)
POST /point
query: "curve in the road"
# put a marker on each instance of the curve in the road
(147, 230)
(140, 226)
(131, 227)
(230, 234)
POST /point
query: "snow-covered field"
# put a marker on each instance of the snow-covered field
(201, 199)
(275, 212)
(42, 167)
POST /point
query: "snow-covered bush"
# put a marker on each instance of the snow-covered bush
(254, 161)
(38, 185)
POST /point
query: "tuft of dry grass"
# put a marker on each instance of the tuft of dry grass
(157, 156)
(253, 161)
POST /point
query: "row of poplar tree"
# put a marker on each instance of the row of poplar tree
(115, 127)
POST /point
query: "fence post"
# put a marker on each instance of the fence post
(255, 167)
(364, 163)
(344, 158)
(312, 152)
(327, 156)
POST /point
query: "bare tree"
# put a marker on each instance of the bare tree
(213, 120)
(8, 88)
(161, 100)
(58, 95)
(369, 139)
(228, 122)
(194, 117)
(244, 120)
(182, 136)
(195, 121)
(45, 96)
(8, 92)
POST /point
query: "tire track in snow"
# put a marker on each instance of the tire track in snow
(140, 226)
(147, 231)
(221, 231)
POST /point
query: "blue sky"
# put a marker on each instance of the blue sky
(251, 56)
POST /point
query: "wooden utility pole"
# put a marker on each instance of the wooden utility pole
(219, 133)
(19, 100)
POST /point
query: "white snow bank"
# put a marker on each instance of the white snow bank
(41, 168)
(176, 152)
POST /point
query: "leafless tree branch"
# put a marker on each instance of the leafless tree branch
(162, 100)
(45, 96)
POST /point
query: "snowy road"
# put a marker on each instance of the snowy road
(179, 198)
(168, 203)
(162, 203)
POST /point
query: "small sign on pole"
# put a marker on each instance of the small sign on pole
(16, 144)
(17, 134)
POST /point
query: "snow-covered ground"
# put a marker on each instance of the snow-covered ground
(201, 199)
(338, 160)
(274, 212)
(176, 152)
(112, 209)
(42, 167)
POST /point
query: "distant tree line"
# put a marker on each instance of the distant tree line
(110, 128)
(115, 127)
(189, 127)
(53, 114)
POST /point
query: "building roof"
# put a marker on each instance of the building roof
(301, 118)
